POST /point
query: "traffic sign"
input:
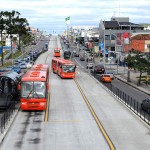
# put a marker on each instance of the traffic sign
(1, 49)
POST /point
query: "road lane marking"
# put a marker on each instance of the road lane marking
(47, 108)
(111, 146)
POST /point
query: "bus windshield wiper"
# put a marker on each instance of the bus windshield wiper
(30, 93)
(36, 94)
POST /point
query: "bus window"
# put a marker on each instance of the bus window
(26, 89)
(40, 89)
(33, 89)
(68, 68)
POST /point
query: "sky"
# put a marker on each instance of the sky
(49, 15)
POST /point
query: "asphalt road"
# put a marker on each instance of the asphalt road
(71, 125)
(129, 90)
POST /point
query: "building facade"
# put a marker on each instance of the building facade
(116, 34)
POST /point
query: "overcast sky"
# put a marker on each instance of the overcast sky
(49, 15)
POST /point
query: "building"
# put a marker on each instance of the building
(139, 42)
(116, 33)
(85, 33)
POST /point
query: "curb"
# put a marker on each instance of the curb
(134, 86)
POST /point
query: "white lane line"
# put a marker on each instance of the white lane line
(78, 63)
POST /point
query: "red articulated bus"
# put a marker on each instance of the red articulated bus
(34, 89)
(64, 68)
(57, 52)
(41, 67)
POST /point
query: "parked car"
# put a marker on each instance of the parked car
(16, 63)
(105, 78)
(23, 65)
(3, 70)
(29, 65)
(99, 69)
(16, 69)
(145, 105)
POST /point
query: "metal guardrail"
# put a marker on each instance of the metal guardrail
(129, 101)
(5, 118)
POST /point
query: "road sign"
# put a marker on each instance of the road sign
(1, 49)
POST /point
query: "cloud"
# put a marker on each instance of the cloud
(49, 14)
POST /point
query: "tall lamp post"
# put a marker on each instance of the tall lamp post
(149, 50)
(2, 43)
(11, 38)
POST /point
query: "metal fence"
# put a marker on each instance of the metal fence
(129, 101)
(6, 116)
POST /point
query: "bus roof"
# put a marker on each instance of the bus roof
(39, 67)
(32, 75)
(63, 61)
(57, 48)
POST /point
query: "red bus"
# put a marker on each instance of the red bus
(64, 68)
(34, 90)
(57, 52)
(41, 67)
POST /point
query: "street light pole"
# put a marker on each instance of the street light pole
(11, 50)
(149, 50)
(104, 57)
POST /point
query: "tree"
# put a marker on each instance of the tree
(2, 29)
(20, 28)
(11, 23)
(141, 65)
(15, 24)
(130, 62)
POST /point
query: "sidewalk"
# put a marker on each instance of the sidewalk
(120, 72)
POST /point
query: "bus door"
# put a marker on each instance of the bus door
(59, 68)
(54, 66)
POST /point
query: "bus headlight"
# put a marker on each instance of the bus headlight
(24, 103)
(42, 103)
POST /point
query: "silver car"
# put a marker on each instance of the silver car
(23, 66)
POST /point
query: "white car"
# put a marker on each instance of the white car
(29, 65)
(23, 66)
(89, 65)
(111, 74)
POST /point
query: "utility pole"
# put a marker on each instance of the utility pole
(128, 73)
(2, 43)
(11, 37)
(104, 57)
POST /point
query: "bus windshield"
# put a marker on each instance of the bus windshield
(57, 51)
(33, 89)
(68, 68)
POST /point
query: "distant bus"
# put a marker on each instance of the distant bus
(57, 52)
(34, 88)
(64, 68)
(67, 54)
